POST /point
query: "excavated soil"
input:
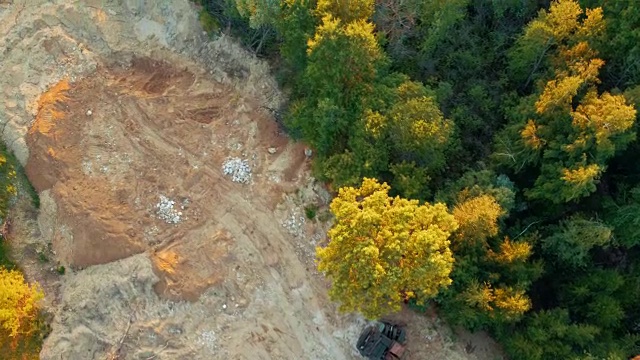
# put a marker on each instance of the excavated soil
(113, 106)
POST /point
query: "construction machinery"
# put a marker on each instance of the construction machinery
(382, 341)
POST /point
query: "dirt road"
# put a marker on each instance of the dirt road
(124, 114)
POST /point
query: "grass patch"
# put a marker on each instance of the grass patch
(20, 181)
(31, 191)
(209, 23)
(311, 211)
(4, 255)
(61, 270)
(42, 257)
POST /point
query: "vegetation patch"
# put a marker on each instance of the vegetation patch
(310, 211)
(209, 23)
(23, 326)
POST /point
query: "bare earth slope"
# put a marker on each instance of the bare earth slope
(117, 108)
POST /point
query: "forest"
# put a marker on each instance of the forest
(508, 125)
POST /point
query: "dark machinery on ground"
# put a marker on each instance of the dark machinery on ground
(382, 341)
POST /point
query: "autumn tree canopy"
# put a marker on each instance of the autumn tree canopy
(19, 303)
(568, 128)
(383, 250)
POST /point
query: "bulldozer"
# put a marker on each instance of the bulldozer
(382, 341)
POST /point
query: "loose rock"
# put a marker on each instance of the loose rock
(166, 212)
(238, 169)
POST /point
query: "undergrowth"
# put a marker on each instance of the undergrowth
(14, 183)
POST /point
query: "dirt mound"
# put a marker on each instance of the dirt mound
(109, 145)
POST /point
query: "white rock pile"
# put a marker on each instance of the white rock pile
(208, 339)
(294, 223)
(238, 169)
(165, 210)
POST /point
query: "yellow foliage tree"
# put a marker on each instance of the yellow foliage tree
(505, 302)
(477, 218)
(384, 250)
(511, 251)
(530, 135)
(512, 302)
(479, 295)
(606, 116)
(19, 303)
(347, 11)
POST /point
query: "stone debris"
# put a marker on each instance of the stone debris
(89, 112)
(166, 211)
(208, 340)
(238, 169)
(274, 177)
(294, 224)
(272, 150)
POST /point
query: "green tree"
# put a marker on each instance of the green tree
(624, 217)
(259, 12)
(571, 242)
(410, 180)
(592, 297)
(413, 125)
(420, 132)
(621, 44)
(548, 335)
(441, 17)
(341, 67)
(365, 157)
(384, 250)
(295, 28)
(479, 182)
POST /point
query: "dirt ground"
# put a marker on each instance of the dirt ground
(113, 106)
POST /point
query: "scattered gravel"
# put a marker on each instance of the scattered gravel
(166, 211)
(208, 340)
(239, 170)
(294, 224)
